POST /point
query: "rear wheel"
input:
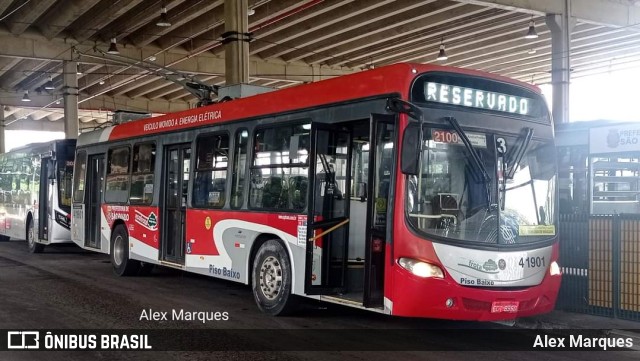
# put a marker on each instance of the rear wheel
(271, 281)
(34, 247)
(4, 238)
(122, 265)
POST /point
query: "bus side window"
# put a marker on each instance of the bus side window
(144, 157)
(280, 170)
(210, 183)
(118, 179)
(239, 168)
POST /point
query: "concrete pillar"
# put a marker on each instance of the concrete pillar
(2, 129)
(236, 41)
(561, 26)
(70, 95)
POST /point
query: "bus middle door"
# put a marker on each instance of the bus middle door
(327, 223)
(47, 179)
(174, 202)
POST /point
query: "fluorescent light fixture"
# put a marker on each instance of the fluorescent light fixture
(113, 49)
(164, 19)
(531, 33)
(49, 84)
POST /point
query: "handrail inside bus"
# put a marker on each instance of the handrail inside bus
(329, 230)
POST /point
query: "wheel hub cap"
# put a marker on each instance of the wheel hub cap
(118, 251)
(271, 277)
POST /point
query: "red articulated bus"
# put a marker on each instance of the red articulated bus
(412, 190)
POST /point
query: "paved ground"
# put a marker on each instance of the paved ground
(67, 288)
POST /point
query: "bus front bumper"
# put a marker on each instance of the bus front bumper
(446, 299)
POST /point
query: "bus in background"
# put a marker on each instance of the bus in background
(412, 190)
(35, 193)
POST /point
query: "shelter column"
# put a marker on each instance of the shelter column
(236, 41)
(561, 26)
(2, 129)
(70, 94)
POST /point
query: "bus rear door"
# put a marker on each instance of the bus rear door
(174, 202)
(93, 201)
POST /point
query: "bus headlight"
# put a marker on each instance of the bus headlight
(554, 269)
(421, 269)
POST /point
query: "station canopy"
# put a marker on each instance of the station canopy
(293, 42)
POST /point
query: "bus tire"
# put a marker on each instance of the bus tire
(271, 281)
(34, 247)
(122, 265)
(4, 238)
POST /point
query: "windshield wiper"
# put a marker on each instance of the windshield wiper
(515, 158)
(477, 162)
(475, 157)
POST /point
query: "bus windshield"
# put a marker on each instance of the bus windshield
(452, 198)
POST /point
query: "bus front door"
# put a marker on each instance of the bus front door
(174, 202)
(93, 199)
(380, 196)
(44, 211)
(327, 238)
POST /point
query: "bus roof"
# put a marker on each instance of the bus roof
(391, 79)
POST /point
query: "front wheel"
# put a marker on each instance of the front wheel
(122, 265)
(271, 281)
(34, 247)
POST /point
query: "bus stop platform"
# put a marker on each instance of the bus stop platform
(562, 321)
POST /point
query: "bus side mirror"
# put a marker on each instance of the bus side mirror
(410, 156)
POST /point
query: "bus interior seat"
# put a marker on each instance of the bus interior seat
(272, 193)
(219, 185)
(298, 186)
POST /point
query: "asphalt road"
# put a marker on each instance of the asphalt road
(67, 288)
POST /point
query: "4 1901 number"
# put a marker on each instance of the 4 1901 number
(532, 262)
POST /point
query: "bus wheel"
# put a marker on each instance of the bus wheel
(34, 247)
(271, 281)
(4, 238)
(122, 265)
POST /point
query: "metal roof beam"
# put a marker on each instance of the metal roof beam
(263, 15)
(34, 46)
(19, 21)
(21, 71)
(602, 12)
(39, 102)
(310, 20)
(63, 14)
(178, 16)
(99, 17)
(456, 21)
(363, 23)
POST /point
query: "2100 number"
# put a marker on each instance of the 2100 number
(531, 262)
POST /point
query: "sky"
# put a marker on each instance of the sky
(610, 96)
(17, 138)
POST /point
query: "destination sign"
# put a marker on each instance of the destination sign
(476, 98)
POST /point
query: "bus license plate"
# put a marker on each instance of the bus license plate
(504, 307)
